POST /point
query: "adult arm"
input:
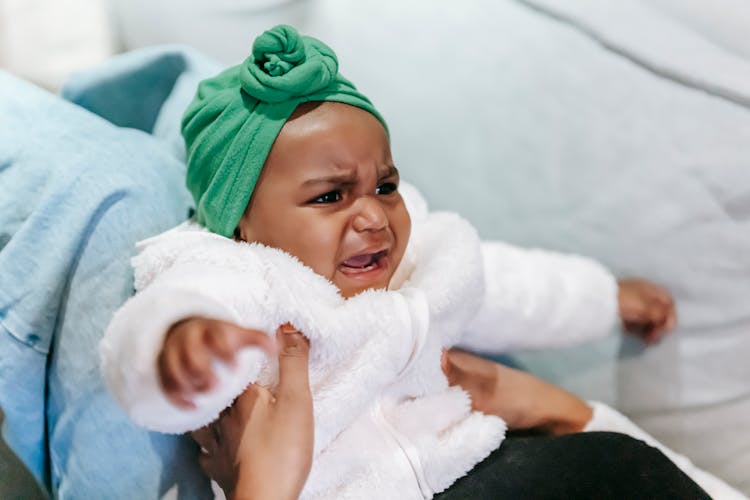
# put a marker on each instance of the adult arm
(522, 400)
(261, 447)
(527, 402)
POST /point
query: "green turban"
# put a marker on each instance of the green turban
(232, 122)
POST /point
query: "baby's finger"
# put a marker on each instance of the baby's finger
(173, 380)
(196, 362)
(663, 295)
(245, 337)
(180, 400)
(640, 313)
(653, 335)
(659, 326)
(221, 344)
(670, 317)
(656, 315)
(671, 320)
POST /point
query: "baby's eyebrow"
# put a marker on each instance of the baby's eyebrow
(343, 178)
(346, 178)
(392, 170)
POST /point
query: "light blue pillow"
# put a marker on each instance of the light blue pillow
(77, 193)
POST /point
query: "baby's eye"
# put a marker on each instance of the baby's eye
(329, 197)
(386, 188)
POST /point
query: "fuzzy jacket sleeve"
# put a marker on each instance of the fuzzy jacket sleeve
(190, 272)
(133, 340)
(540, 299)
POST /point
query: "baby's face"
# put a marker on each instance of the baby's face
(328, 195)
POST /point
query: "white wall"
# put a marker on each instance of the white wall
(222, 29)
(45, 40)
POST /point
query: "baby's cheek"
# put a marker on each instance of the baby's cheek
(317, 250)
(402, 232)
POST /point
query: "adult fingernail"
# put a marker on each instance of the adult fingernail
(288, 328)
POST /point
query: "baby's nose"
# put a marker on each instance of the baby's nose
(369, 215)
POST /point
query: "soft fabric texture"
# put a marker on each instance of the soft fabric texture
(231, 124)
(78, 192)
(375, 358)
(375, 375)
(533, 298)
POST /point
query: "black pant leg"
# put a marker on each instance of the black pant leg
(592, 465)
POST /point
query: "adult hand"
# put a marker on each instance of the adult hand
(261, 447)
(522, 400)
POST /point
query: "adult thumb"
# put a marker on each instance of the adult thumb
(451, 366)
(294, 351)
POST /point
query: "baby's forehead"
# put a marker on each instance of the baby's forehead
(308, 114)
(331, 136)
(307, 107)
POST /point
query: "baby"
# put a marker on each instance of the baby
(301, 221)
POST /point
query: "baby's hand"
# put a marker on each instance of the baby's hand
(647, 310)
(186, 358)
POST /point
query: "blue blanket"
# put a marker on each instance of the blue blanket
(78, 192)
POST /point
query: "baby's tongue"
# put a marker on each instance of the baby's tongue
(359, 261)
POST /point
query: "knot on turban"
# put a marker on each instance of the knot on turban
(232, 123)
(285, 65)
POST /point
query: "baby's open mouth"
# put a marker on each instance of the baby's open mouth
(364, 262)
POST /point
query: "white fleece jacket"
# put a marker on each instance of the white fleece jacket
(387, 425)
